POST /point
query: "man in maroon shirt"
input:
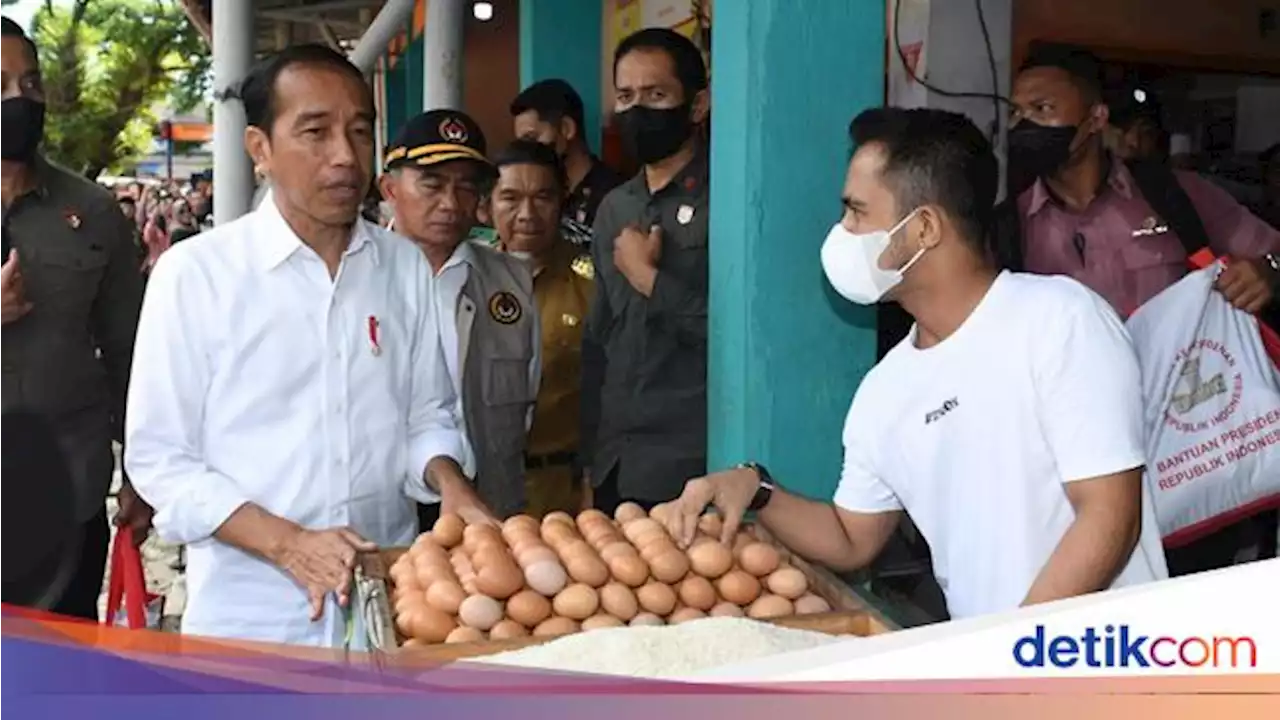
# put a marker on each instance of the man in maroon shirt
(1084, 216)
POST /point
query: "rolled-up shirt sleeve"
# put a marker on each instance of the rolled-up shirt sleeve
(169, 384)
(435, 423)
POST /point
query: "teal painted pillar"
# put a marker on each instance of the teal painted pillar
(786, 353)
(562, 38)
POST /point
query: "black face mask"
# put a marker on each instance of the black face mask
(21, 129)
(1039, 150)
(653, 134)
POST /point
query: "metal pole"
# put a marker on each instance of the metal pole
(232, 58)
(389, 23)
(380, 107)
(442, 54)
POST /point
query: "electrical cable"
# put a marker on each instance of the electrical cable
(995, 75)
(994, 96)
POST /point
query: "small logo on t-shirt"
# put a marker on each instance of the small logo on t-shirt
(935, 415)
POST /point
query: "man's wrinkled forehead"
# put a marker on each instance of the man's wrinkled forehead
(455, 170)
(526, 176)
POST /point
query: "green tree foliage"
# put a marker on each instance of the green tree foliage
(106, 64)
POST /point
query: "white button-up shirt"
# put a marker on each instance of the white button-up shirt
(448, 291)
(257, 378)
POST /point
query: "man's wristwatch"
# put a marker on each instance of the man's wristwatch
(764, 493)
(1271, 268)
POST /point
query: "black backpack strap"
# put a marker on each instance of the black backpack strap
(1162, 191)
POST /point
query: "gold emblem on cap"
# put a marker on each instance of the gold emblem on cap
(453, 130)
(505, 308)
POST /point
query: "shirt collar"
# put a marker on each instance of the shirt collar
(463, 255)
(280, 242)
(1118, 179)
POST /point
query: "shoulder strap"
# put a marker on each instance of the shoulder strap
(1162, 191)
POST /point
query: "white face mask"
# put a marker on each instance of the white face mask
(851, 262)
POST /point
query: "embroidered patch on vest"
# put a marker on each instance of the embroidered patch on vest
(583, 266)
(505, 308)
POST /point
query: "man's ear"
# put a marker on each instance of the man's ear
(701, 106)
(1100, 116)
(569, 129)
(929, 222)
(258, 145)
(387, 184)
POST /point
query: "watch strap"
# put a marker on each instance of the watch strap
(764, 493)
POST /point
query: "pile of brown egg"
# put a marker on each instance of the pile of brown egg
(468, 583)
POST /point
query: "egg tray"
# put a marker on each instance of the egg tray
(850, 615)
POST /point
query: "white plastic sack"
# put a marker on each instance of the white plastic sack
(1212, 399)
(154, 611)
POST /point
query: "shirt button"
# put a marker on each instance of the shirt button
(337, 409)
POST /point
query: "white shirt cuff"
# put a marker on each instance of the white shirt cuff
(196, 513)
(422, 449)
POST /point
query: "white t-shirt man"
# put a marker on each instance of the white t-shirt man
(976, 436)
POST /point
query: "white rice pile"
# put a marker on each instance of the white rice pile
(663, 652)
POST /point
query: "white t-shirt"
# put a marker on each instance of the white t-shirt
(975, 437)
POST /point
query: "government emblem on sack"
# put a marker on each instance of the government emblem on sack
(453, 130)
(1206, 370)
(505, 308)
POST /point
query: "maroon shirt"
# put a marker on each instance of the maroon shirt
(1120, 249)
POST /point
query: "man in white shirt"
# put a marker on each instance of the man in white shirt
(483, 299)
(1008, 424)
(289, 376)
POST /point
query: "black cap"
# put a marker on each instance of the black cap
(1129, 103)
(437, 136)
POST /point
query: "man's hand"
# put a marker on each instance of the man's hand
(730, 491)
(322, 562)
(133, 512)
(636, 256)
(13, 294)
(457, 495)
(468, 507)
(1247, 284)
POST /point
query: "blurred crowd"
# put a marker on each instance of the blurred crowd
(165, 212)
